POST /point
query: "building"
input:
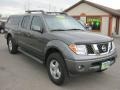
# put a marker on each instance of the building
(103, 20)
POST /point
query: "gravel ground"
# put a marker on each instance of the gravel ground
(19, 72)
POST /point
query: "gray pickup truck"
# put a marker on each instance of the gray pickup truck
(60, 43)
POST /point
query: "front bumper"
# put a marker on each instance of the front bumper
(89, 64)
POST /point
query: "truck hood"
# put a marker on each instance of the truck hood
(80, 37)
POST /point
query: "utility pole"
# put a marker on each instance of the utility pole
(28, 3)
(55, 9)
(25, 5)
(52, 7)
(49, 8)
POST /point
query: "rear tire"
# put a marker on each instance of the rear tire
(56, 68)
(12, 47)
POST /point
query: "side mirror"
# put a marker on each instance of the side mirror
(36, 28)
(88, 28)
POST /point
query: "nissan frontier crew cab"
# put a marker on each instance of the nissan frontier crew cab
(59, 42)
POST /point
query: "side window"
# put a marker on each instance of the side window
(14, 20)
(36, 22)
(25, 22)
(10, 20)
(17, 20)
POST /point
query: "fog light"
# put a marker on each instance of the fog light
(112, 62)
(80, 67)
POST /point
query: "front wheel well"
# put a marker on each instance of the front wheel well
(49, 51)
(54, 50)
(9, 35)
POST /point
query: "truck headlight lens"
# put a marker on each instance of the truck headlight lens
(78, 49)
(113, 46)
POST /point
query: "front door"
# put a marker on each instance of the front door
(37, 40)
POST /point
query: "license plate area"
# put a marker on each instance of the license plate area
(105, 65)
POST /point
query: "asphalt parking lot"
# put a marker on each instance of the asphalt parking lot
(19, 72)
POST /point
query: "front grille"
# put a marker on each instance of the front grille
(89, 49)
(100, 48)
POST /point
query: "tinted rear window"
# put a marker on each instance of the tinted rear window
(14, 20)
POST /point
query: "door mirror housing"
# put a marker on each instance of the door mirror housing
(88, 28)
(36, 28)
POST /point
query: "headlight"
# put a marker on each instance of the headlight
(113, 46)
(78, 49)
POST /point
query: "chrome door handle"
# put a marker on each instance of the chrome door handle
(28, 34)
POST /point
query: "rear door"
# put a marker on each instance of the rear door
(24, 37)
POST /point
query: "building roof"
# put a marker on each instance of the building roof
(101, 7)
(118, 10)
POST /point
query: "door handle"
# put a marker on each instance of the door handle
(19, 32)
(28, 34)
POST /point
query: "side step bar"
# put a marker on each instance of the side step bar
(27, 54)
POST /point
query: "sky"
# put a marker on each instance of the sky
(8, 7)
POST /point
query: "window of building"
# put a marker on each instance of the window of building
(94, 22)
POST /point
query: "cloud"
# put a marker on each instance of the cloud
(115, 4)
(10, 10)
(8, 7)
(19, 6)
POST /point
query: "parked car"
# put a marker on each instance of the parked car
(60, 43)
(2, 26)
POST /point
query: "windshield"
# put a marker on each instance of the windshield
(61, 22)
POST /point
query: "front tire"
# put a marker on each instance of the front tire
(56, 68)
(101, 70)
(12, 47)
(1, 31)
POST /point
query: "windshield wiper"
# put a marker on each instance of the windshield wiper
(58, 30)
(66, 29)
(76, 29)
